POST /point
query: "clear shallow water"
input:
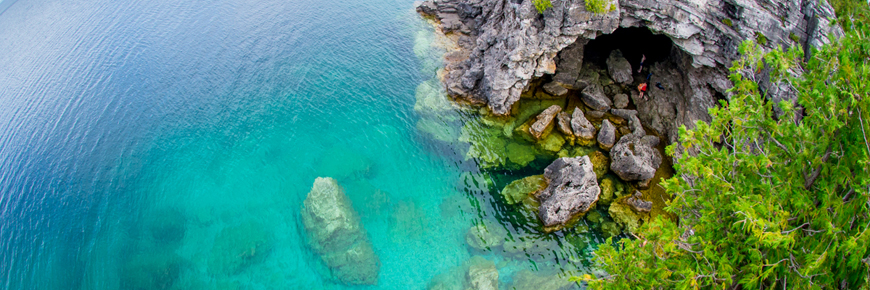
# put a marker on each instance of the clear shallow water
(135, 135)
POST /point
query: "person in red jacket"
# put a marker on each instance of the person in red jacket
(642, 88)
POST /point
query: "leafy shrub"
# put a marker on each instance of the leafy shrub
(542, 5)
(599, 6)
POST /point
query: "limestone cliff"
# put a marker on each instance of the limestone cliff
(503, 45)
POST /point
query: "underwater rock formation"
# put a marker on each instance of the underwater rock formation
(573, 189)
(484, 236)
(237, 247)
(520, 189)
(504, 45)
(526, 279)
(335, 233)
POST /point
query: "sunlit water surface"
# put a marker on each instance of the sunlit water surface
(136, 135)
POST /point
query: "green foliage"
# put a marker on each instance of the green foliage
(851, 14)
(794, 38)
(727, 21)
(542, 5)
(599, 6)
(760, 38)
(766, 202)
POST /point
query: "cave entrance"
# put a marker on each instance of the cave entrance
(633, 42)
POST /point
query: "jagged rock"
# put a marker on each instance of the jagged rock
(637, 203)
(520, 189)
(485, 236)
(573, 189)
(564, 124)
(570, 65)
(595, 114)
(503, 45)
(482, 274)
(633, 121)
(619, 68)
(620, 101)
(543, 123)
(586, 78)
(593, 96)
(633, 160)
(334, 232)
(607, 135)
(555, 89)
(583, 129)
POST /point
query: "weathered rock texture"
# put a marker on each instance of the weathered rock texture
(505, 44)
(335, 233)
(544, 122)
(573, 189)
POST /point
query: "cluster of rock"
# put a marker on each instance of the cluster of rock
(505, 45)
(334, 232)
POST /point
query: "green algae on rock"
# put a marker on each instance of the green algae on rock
(519, 154)
(335, 233)
(521, 189)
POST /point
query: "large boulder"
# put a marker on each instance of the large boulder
(607, 135)
(544, 122)
(619, 68)
(633, 159)
(572, 190)
(593, 96)
(334, 232)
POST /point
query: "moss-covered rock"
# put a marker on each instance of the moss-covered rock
(610, 229)
(623, 215)
(519, 154)
(487, 144)
(594, 217)
(521, 189)
(552, 143)
(600, 163)
(608, 190)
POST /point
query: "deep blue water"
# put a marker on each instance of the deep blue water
(133, 133)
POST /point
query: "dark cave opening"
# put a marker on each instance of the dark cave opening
(633, 42)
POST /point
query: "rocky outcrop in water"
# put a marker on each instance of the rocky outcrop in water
(573, 189)
(633, 159)
(335, 233)
(544, 122)
(503, 45)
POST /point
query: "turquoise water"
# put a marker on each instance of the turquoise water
(136, 136)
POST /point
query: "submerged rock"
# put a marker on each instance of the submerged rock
(634, 160)
(573, 190)
(544, 122)
(520, 189)
(237, 247)
(519, 154)
(334, 232)
(624, 216)
(619, 68)
(607, 135)
(484, 236)
(482, 274)
(593, 96)
(552, 143)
